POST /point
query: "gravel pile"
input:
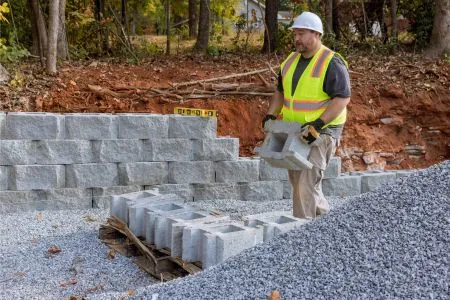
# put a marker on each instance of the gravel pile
(391, 243)
(31, 266)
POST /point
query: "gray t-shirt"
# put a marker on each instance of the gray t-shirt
(336, 84)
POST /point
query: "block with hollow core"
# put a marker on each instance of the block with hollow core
(169, 229)
(102, 196)
(137, 208)
(274, 223)
(227, 242)
(34, 126)
(184, 191)
(282, 148)
(168, 208)
(119, 203)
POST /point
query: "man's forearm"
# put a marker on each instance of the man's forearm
(333, 110)
(276, 104)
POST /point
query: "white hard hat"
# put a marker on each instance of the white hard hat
(308, 20)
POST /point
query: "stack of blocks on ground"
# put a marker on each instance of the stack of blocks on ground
(193, 234)
(78, 161)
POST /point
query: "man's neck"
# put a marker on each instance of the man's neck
(312, 52)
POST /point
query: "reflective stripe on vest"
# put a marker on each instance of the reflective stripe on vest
(305, 105)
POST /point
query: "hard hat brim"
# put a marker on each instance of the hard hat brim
(305, 27)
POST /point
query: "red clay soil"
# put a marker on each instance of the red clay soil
(397, 102)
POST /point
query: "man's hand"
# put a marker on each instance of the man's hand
(310, 131)
(267, 118)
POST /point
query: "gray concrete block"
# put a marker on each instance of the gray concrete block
(342, 186)
(188, 127)
(143, 173)
(2, 125)
(64, 152)
(274, 223)
(191, 172)
(120, 203)
(184, 191)
(369, 182)
(90, 126)
(242, 170)
(91, 175)
(17, 152)
(143, 126)
(212, 191)
(102, 196)
(261, 191)
(69, 198)
(216, 149)
(169, 229)
(279, 126)
(110, 151)
(36, 177)
(267, 172)
(287, 189)
(333, 169)
(8, 198)
(4, 175)
(34, 126)
(403, 173)
(214, 243)
(168, 150)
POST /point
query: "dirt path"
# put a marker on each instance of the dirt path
(398, 116)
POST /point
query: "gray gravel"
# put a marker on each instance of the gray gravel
(391, 243)
(82, 268)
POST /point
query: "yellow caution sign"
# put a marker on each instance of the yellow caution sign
(211, 113)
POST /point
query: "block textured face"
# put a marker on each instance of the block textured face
(2, 125)
(242, 170)
(188, 127)
(65, 152)
(17, 152)
(333, 169)
(216, 149)
(369, 182)
(117, 150)
(143, 173)
(136, 126)
(261, 191)
(34, 126)
(36, 177)
(342, 186)
(167, 150)
(4, 174)
(90, 126)
(191, 172)
(92, 175)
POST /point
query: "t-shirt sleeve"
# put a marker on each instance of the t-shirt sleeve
(280, 83)
(337, 79)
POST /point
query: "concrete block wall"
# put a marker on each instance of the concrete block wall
(50, 158)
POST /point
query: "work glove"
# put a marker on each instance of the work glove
(267, 118)
(311, 131)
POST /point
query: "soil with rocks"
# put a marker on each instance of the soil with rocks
(398, 116)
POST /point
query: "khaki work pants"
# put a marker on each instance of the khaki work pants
(308, 198)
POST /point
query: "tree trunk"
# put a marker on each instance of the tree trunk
(336, 25)
(63, 48)
(193, 20)
(440, 36)
(394, 21)
(167, 8)
(41, 29)
(271, 26)
(329, 17)
(53, 23)
(123, 15)
(203, 27)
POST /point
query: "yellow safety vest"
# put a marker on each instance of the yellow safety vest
(308, 101)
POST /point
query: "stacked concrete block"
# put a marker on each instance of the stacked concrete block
(342, 186)
(333, 169)
(124, 150)
(64, 152)
(191, 172)
(91, 175)
(4, 175)
(274, 223)
(287, 189)
(143, 173)
(36, 177)
(90, 126)
(34, 126)
(214, 243)
(167, 150)
(267, 172)
(184, 191)
(2, 125)
(261, 191)
(17, 152)
(403, 173)
(282, 148)
(188, 127)
(371, 181)
(216, 149)
(212, 191)
(103, 196)
(119, 204)
(242, 170)
(142, 126)
(169, 229)
(68, 198)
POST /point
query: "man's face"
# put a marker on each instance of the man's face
(305, 40)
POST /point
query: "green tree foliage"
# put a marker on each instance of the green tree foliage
(421, 15)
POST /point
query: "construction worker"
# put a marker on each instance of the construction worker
(314, 90)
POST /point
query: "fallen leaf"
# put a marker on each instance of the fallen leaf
(275, 295)
(54, 249)
(112, 253)
(73, 83)
(20, 274)
(89, 218)
(40, 217)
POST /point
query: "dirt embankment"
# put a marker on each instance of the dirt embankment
(398, 116)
